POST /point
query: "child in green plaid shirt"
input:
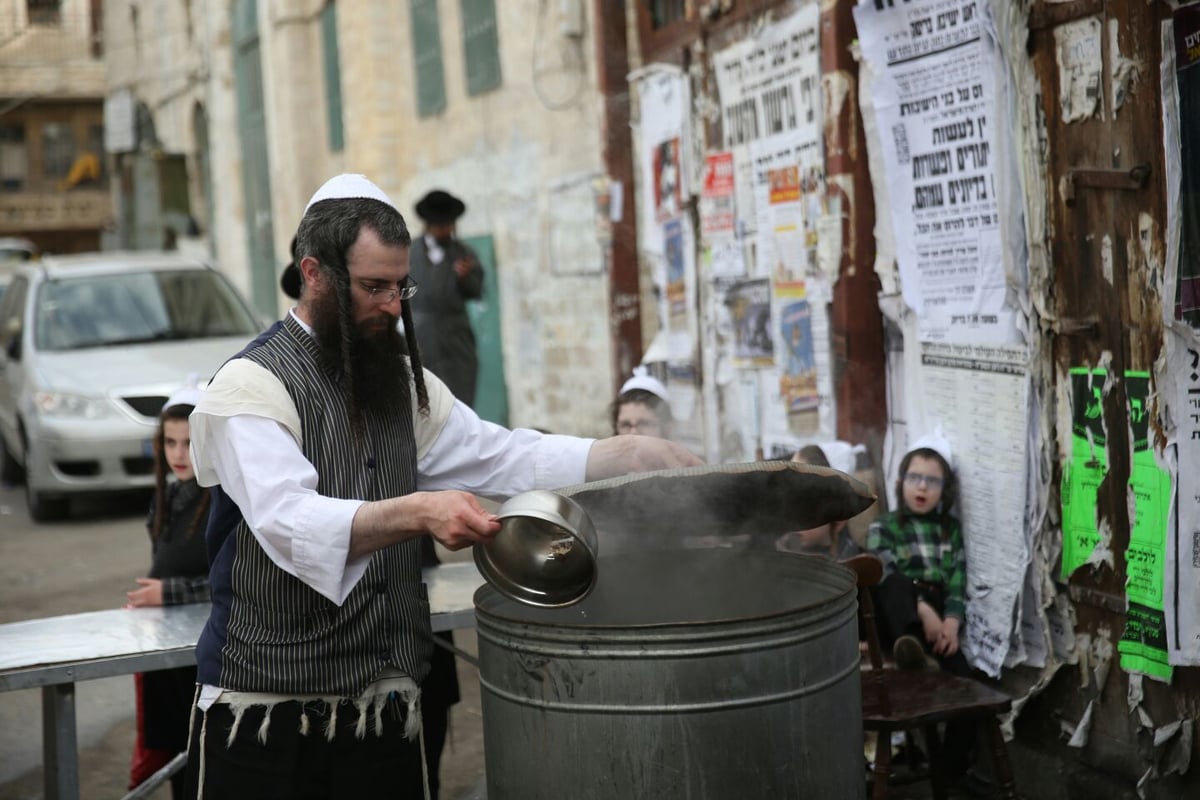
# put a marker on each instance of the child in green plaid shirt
(921, 602)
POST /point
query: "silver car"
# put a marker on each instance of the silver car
(91, 346)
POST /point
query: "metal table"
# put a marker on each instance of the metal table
(56, 652)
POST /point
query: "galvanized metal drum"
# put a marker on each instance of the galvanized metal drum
(692, 674)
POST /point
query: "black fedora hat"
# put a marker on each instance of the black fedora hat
(438, 207)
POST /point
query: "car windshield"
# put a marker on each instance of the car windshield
(138, 307)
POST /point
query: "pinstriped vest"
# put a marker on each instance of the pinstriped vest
(283, 636)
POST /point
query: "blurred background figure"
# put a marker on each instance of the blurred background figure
(832, 540)
(642, 406)
(178, 574)
(448, 274)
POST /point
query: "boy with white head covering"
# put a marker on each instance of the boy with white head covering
(921, 603)
(642, 406)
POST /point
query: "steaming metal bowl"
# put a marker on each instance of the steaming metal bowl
(545, 552)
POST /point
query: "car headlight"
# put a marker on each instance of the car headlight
(62, 404)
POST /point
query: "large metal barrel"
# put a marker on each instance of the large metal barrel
(700, 674)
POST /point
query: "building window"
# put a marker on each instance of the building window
(664, 12)
(58, 149)
(333, 76)
(481, 45)
(44, 12)
(14, 159)
(427, 53)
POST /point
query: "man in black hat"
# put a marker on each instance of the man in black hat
(449, 274)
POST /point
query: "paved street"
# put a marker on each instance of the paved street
(86, 564)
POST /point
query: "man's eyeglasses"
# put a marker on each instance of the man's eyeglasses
(917, 479)
(380, 295)
(641, 426)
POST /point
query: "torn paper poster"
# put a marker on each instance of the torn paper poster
(1086, 537)
(1079, 736)
(1179, 392)
(1123, 72)
(958, 386)
(664, 104)
(937, 79)
(1077, 49)
(1172, 753)
(769, 86)
(802, 407)
(1136, 693)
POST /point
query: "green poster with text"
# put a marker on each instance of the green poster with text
(1143, 644)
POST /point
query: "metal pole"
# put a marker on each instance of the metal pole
(61, 768)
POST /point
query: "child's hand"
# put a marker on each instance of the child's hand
(931, 621)
(947, 641)
(149, 595)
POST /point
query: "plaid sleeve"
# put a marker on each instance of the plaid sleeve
(956, 579)
(177, 591)
(881, 541)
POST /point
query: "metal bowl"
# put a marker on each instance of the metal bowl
(545, 552)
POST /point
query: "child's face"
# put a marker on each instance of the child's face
(639, 418)
(923, 484)
(176, 438)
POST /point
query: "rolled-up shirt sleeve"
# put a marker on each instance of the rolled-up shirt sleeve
(474, 455)
(257, 462)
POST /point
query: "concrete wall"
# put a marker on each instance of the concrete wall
(42, 60)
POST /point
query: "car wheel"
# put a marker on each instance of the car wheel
(45, 507)
(11, 470)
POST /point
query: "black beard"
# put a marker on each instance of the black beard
(444, 241)
(376, 368)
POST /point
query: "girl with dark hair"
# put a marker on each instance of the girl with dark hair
(178, 574)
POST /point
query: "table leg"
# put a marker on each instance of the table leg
(59, 749)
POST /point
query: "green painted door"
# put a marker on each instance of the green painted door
(256, 163)
(491, 392)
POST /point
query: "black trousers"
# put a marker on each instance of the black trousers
(296, 766)
(895, 600)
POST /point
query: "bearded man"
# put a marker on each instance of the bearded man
(332, 454)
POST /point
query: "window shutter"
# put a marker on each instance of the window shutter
(481, 45)
(333, 76)
(427, 55)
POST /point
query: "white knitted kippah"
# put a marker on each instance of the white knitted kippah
(642, 379)
(936, 442)
(349, 185)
